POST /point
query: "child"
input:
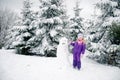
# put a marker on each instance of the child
(78, 51)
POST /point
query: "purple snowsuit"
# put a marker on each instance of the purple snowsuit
(78, 49)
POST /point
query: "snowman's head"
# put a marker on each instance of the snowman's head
(63, 41)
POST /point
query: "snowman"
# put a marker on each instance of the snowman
(63, 53)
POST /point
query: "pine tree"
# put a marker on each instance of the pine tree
(110, 12)
(49, 27)
(22, 33)
(76, 25)
(27, 15)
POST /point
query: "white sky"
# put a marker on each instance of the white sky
(87, 5)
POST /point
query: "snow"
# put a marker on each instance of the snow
(74, 24)
(17, 43)
(57, 20)
(53, 6)
(40, 31)
(113, 48)
(104, 1)
(21, 28)
(27, 34)
(49, 20)
(21, 67)
(113, 4)
(53, 33)
(117, 12)
(44, 8)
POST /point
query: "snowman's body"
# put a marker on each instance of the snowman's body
(63, 53)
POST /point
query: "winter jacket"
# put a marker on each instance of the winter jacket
(78, 49)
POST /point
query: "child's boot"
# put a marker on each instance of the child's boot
(78, 65)
(74, 63)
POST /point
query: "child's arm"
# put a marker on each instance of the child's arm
(72, 43)
(83, 48)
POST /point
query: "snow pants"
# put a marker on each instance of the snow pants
(76, 60)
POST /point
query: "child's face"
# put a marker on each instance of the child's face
(80, 38)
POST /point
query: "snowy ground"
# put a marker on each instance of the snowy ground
(20, 67)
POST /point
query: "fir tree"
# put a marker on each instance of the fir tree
(110, 12)
(22, 33)
(76, 25)
(27, 15)
(49, 27)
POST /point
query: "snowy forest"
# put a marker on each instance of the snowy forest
(38, 33)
